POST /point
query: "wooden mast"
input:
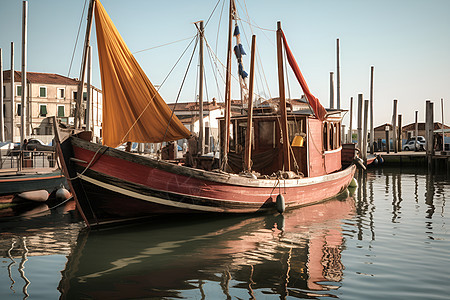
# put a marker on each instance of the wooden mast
(87, 39)
(284, 126)
(226, 146)
(201, 136)
(248, 137)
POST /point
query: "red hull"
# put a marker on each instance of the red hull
(122, 185)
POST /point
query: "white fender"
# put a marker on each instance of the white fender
(38, 196)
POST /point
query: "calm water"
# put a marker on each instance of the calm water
(390, 240)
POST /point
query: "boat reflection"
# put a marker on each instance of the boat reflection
(34, 233)
(296, 254)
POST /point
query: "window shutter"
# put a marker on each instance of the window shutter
(42, 92)
(43, 110)
(60, 111)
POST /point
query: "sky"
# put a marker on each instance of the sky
(406, 41)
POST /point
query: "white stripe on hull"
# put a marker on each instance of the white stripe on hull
(149, 198)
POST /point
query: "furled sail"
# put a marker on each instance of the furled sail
(133, 110)
(319, 110)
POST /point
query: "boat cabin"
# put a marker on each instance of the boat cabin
(315, 146)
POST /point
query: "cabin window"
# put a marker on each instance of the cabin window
(240, 136)
(266, 133)
(43, 92)
(19, 109)
(61, 93)
(295, 127)
(19, 90)
(325, 136)
(75, 94)
(42, 110)
(4, 91)
(84, 96)
(331, 135)
(232, 135)
(60, 110)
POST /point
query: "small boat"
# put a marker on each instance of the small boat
(291, 159)
(18, 182)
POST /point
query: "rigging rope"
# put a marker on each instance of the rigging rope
(76, 40)
(166, 44)
(165, 79)
(181, 87)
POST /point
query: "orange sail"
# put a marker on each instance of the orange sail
(319, 110)
(133, 110)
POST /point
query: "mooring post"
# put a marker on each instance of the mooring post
(359, 129)
(350, 139)
(394, 126)
(386, 130)
(429, 133)
(399, 144)
(364, 145)
(416, 130)
(372, 132)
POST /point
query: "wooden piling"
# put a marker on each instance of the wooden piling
(350, 139)
(388, 146)
(416, 129)
(399, 139)
(394, 126)
(372, 132)
(429, 107)
(359, 129)
(364, 142)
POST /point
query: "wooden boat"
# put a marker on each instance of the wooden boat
(31, 180)
(112, 185)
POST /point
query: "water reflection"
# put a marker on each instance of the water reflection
(297, 254)
(38, 232)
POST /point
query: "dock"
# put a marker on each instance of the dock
(440, 160)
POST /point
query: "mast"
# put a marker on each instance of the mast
(12, 92)
(338, 77)
(248, 137)
(77, 121)
(284, 126)
(24, 72)
(89, 100)
(2, 114)
(200, 95)
(226, 147)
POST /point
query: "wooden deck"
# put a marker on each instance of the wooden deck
(439, 160)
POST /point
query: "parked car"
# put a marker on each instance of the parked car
(410, 145)
(38, 145)
(419, 139)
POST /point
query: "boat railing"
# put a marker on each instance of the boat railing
(28, 159)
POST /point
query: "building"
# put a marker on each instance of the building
(188, 113)
(48, 95)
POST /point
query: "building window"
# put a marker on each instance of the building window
(42, 110)
(84, 96)
(43, 92)
(19, 90)
(4, 91)
(61, 93)
(60, 110)
(19, 109)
